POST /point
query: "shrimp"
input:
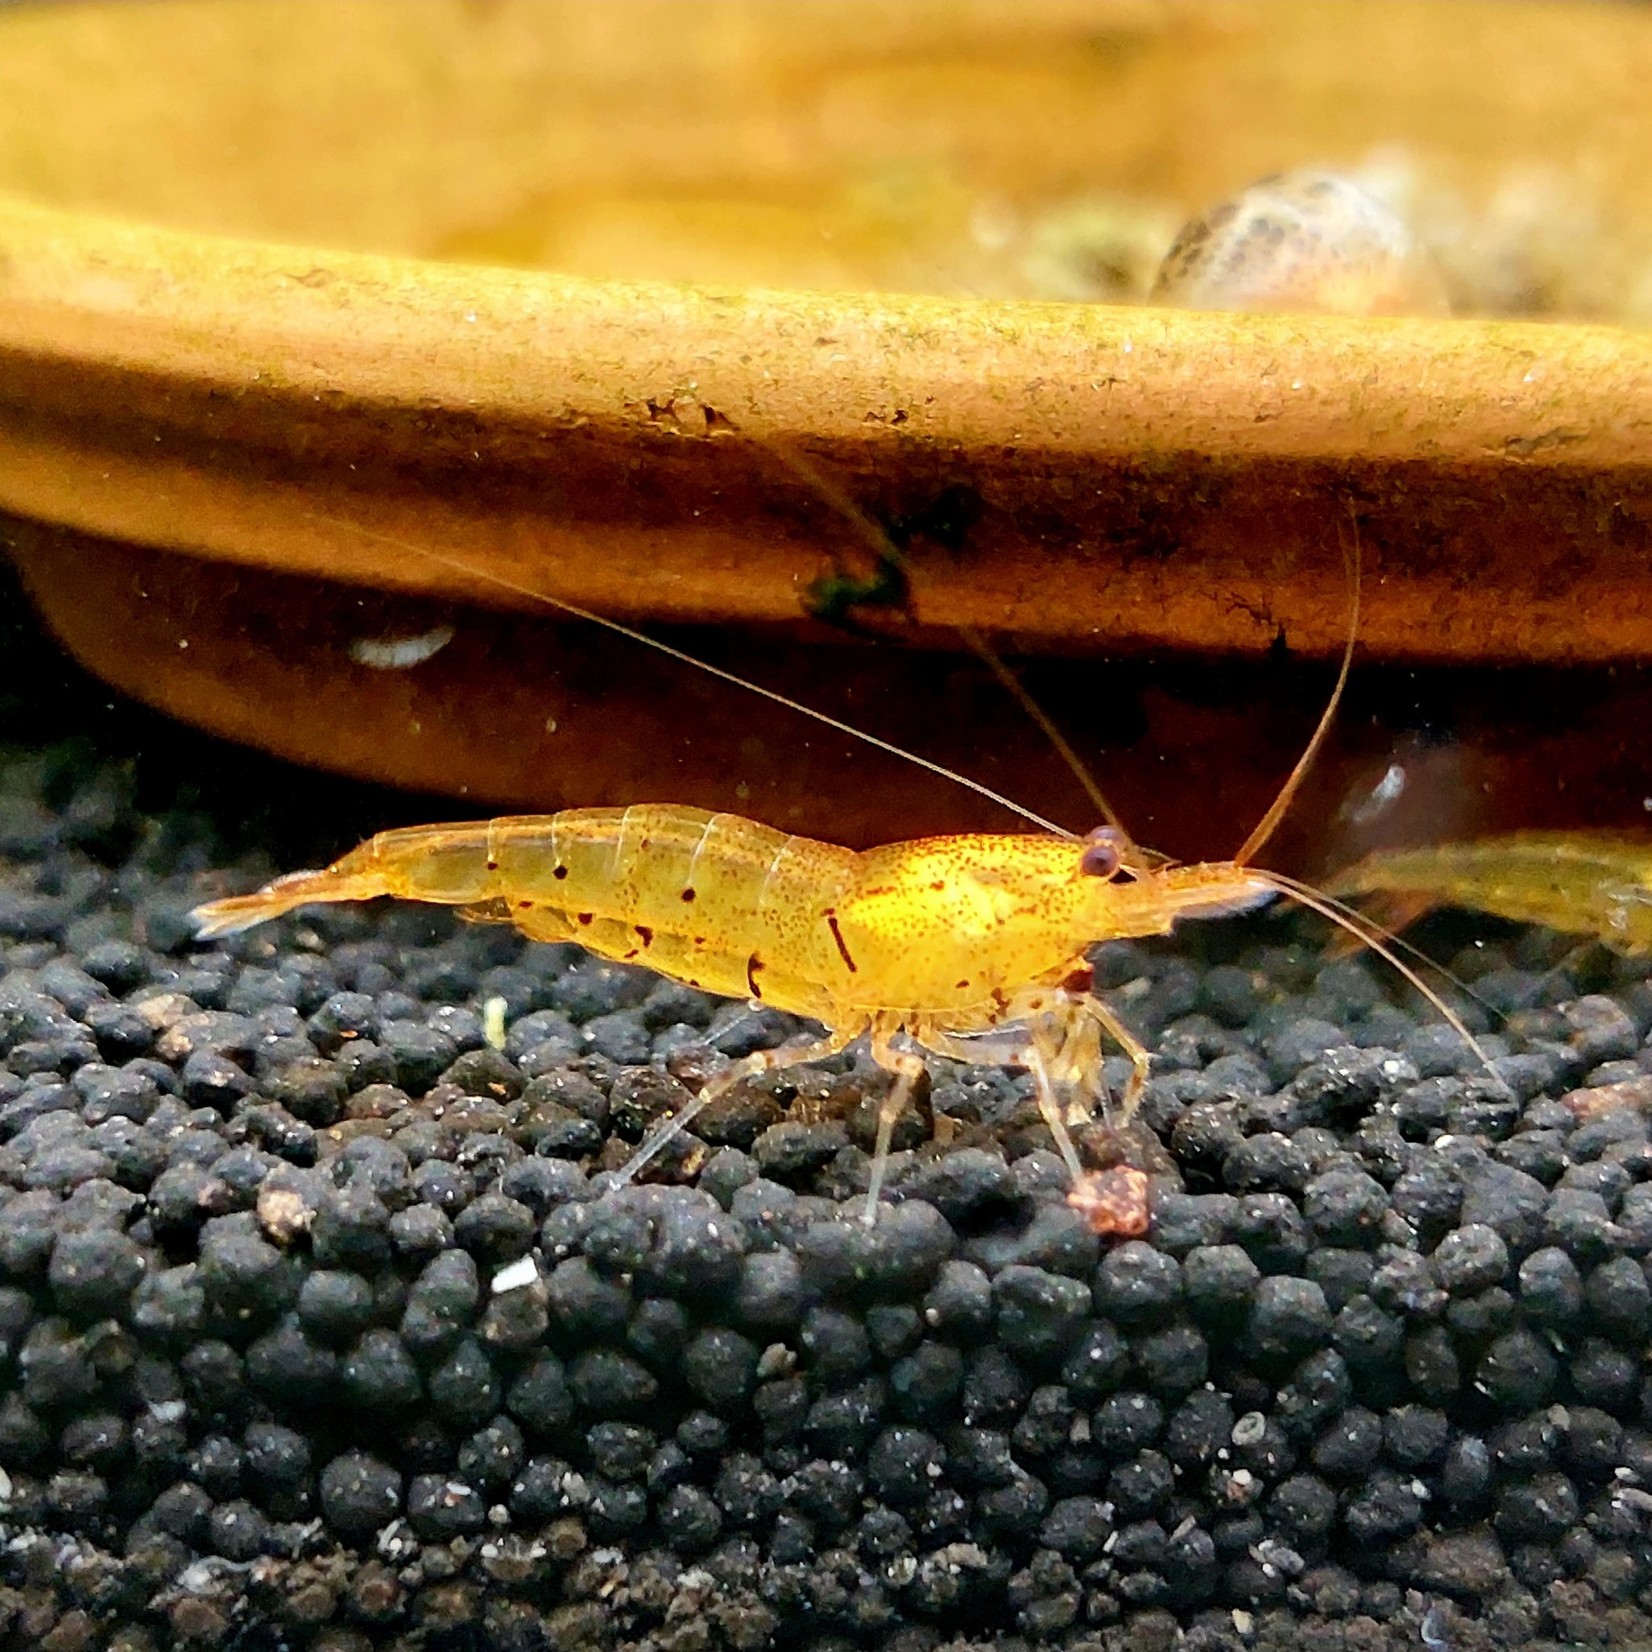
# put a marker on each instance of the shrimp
(966, 946)
(1596, 883)
(930, 942)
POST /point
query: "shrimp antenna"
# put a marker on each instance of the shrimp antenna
(1386, 945)
(471, 570)
(1379, 941)
(880, 539)
(1257, 841)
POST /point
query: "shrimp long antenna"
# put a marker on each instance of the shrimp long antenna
(880, 539)
(1378, 940)
(471, 570)
(1265, 827)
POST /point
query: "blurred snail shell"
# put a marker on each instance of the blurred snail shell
(1306, 240)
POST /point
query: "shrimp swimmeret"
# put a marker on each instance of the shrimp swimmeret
(924, 945)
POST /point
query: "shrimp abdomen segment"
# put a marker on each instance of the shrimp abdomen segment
(452, 865)
(710, 899)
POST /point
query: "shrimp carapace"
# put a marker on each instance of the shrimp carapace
(924, 944)
(1591, 883)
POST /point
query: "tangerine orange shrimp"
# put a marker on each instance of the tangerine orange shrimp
(930, 945)
(938, 940)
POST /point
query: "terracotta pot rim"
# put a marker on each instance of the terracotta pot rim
(247, 317)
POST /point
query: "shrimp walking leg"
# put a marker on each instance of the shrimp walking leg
(760, 1061)
(1063, 1054)
(1047, 1094)
(1141, 1062)
(908, 1068)
(1075, 1066)
(1044, 1055)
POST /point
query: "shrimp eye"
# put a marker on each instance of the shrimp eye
(1102, 857)
(1099, 860)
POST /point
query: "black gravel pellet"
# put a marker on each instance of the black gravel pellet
(359, 1494)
